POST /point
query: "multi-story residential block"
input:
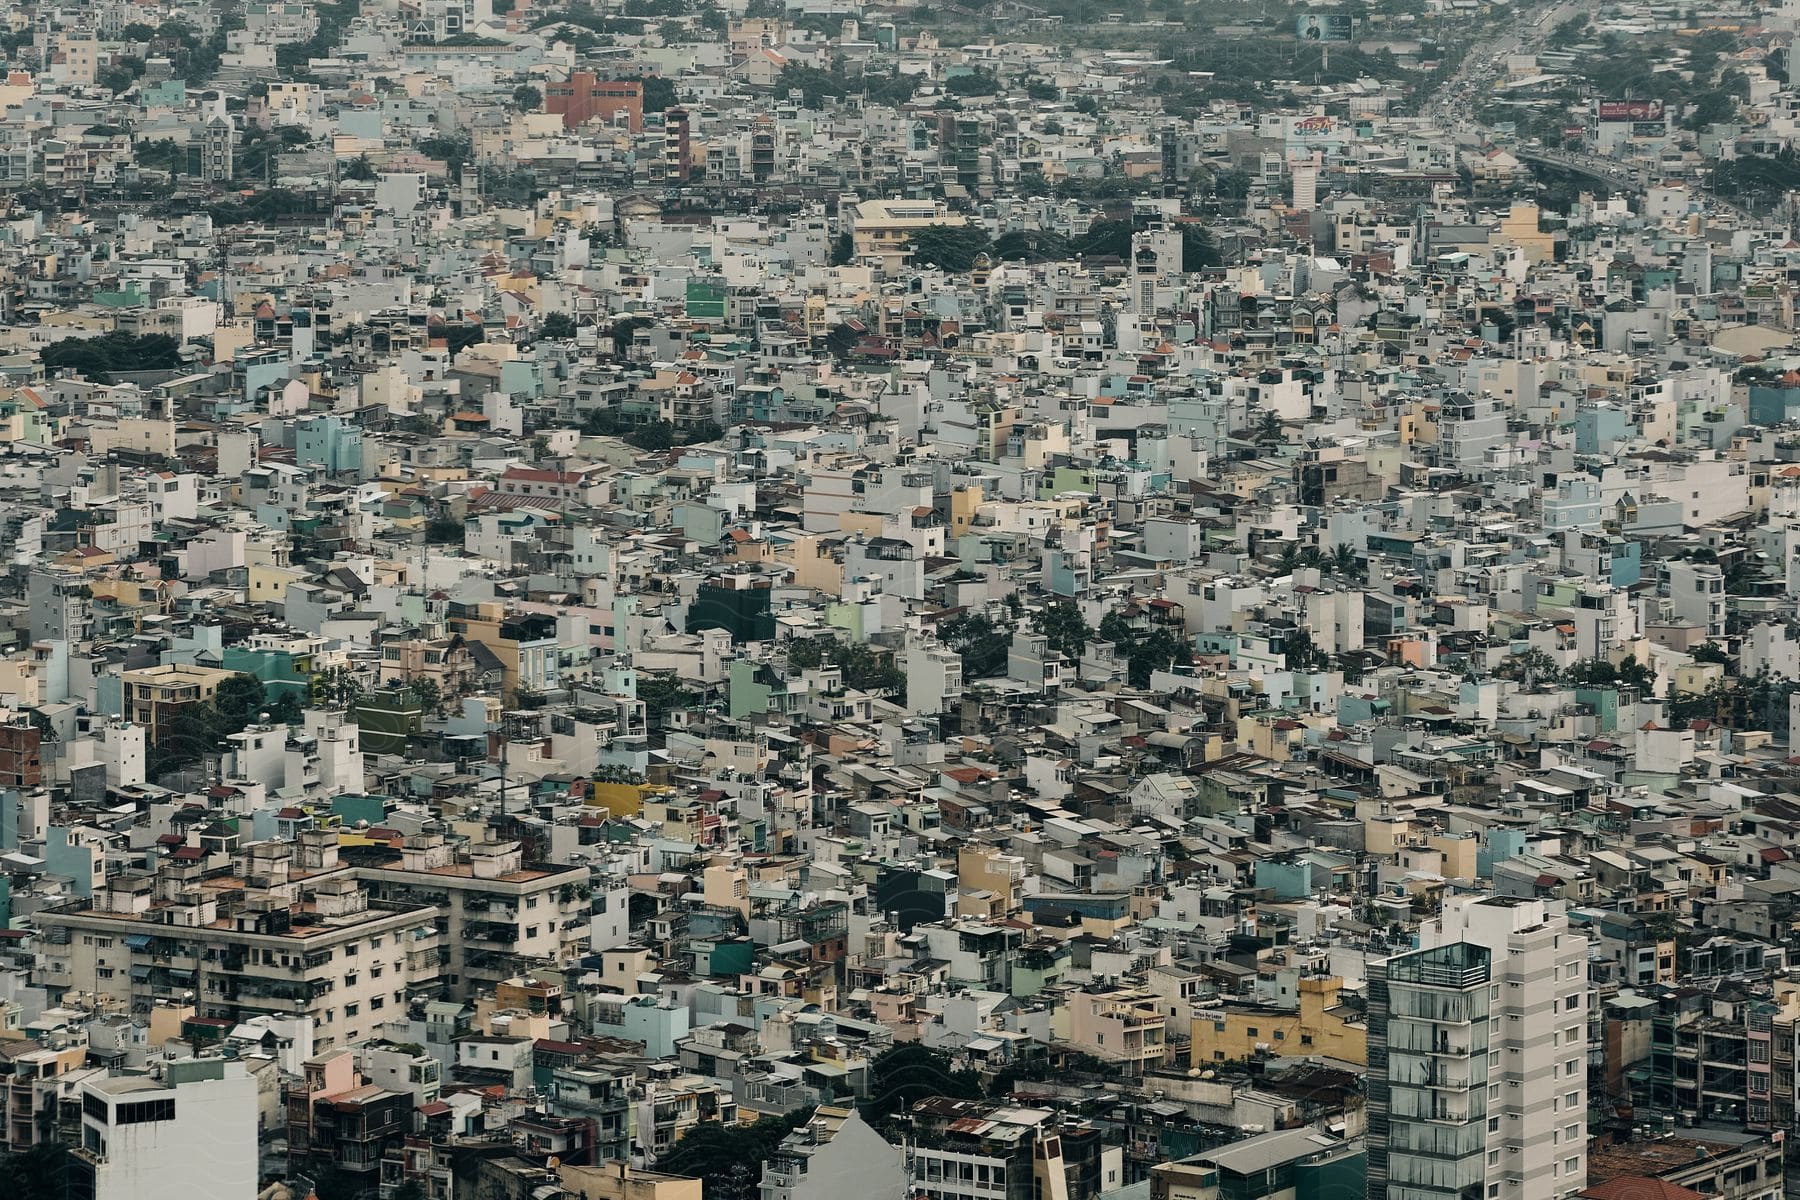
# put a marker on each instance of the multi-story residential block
(261, 936)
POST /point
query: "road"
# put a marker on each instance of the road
(1454, 105)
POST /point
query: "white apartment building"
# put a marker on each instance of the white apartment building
(493, 907)
(252, 941)
(1537, 1041)
(190, 1135)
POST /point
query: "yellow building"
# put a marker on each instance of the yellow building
(726, 885)
(989, 884)
(884, 228)
(619, 1181)
(622, 800)
(817, 560)
(1519, 227)
(1234, 1033)
(155, 694)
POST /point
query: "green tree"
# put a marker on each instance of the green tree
(334, 687)
(47, 1171)
(982, 644)
(905, 1074)
(624, 329)
(654, 436)
(452, 150)
(1064, 628)
(659, 94)
(843, 249)
(460, 335)
(286, 709)
(1711, 108)
(557, 325)
(527, 98)
(1030, 247)
(1231, 185)
(1300, 653)
(1711, 652)
(1198, 250)
(862, 667)
(426, 691)
(661, 695)
(101, 358)
(952, 248)
(360, 168)
(238, 700)
(972, 83)
(728, 1159)
(1145, 651)
(119, 75)
(842, 339)
(1106, 239)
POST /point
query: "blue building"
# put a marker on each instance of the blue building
(328, 441)
(1776, 402)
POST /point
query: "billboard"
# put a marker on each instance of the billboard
(1631, 110)
(1323, 27)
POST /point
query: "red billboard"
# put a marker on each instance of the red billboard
(1631, 110)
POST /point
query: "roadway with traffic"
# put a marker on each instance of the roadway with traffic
(1454, 106)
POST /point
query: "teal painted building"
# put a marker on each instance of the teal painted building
(328, 441)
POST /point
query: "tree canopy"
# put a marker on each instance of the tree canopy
(101, 358)
(728, 1159)
(952, 248)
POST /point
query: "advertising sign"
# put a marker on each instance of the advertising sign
(1631, 110)
(1324, 27)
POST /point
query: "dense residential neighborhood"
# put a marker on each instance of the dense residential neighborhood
(817, 599)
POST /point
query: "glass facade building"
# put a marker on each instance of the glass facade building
(1428, 1074)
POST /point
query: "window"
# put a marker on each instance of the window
(144, 1111)
(350, 1010)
